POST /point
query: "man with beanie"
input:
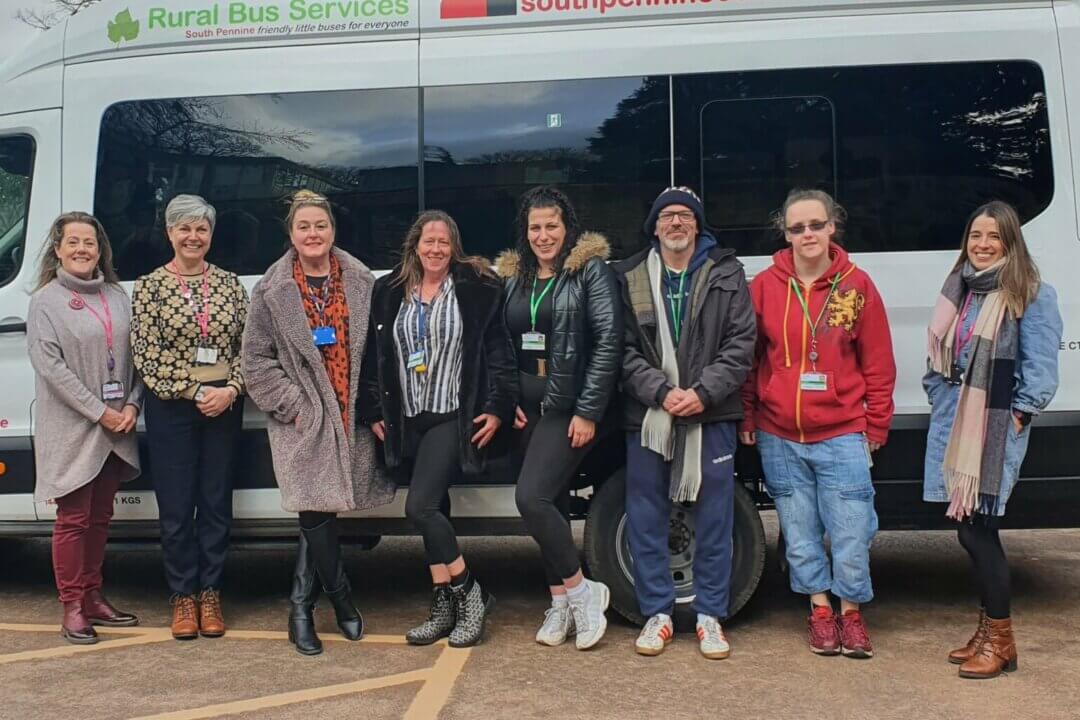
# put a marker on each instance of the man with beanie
(690, 333)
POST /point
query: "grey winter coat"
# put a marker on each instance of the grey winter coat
(319, 467)
(587, 328)
(68, 352)
(716, 354)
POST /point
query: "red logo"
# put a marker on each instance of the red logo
(457, 9)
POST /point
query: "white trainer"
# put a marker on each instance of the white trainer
(711, 639)
(558, 625)
(589, 620)
(655, 636)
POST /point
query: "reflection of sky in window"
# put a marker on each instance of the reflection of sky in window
(375, 128)
(514, 116)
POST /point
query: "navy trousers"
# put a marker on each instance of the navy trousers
(648, 510)
(191, 462)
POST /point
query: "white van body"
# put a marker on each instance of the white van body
(59, 90)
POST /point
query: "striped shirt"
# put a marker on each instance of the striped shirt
(436, 389)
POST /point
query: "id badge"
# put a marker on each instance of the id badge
(814, 382)
(417, 361)
(205, 356)
(112, 390)
(533, 341)
(325, 335)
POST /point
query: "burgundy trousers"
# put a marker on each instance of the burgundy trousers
(81, 531)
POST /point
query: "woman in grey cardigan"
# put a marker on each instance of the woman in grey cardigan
(304, 339)
(87, 404)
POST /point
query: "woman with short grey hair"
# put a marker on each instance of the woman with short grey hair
(186, 327)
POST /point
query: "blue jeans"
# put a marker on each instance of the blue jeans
(820, 488)
(648, 513)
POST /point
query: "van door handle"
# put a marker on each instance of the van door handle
(12, 325)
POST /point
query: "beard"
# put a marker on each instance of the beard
(677, 245)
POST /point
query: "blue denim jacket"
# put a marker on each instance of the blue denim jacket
(1035, 383)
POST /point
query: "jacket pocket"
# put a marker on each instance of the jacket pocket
(821, 408)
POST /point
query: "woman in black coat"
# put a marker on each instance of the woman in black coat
(565, 321)
(439, 382)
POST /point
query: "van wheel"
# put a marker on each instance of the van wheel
(607, 551)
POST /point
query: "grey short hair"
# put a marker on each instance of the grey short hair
(185, 208)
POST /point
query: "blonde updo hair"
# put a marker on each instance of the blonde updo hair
(307, 198)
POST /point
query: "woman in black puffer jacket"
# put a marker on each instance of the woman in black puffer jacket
(565, 320)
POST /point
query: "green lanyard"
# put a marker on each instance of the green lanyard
(806, 312)
(677, 305)
(534, 302)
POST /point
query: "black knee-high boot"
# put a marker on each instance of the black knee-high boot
(326, 552)
(305, 591)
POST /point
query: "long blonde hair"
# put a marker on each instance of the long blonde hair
(49, 261)
(412, 272)
(1019, 277)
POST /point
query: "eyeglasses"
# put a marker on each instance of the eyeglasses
(816, 226)
(666, 218)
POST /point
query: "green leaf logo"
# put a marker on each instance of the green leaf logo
(123, 27)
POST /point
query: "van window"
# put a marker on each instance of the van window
(246, 155)
(604, 142)
(16, 171)
(909, 150)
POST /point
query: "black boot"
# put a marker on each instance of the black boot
(440, 620)
(305, 591)
(326, 552)
(472, 605)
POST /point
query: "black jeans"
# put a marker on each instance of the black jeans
(191, 463)
(548, 464)
(979, 536)
(431, 444)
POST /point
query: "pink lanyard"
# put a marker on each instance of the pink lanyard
(961, 342)
(77, 303)
(203, 318)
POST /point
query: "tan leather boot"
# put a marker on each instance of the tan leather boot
(185, 621)
(959, 656)
(995, 655)
(211, 621)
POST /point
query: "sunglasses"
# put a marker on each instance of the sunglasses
(816, 226)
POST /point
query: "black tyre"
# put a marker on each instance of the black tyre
(607, 551)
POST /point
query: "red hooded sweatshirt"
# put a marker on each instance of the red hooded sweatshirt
(854, 349)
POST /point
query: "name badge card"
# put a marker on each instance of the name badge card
(324, 336)
(205, 356)
(112, 391)
(814, 382)
(417, 361)
(533, 341)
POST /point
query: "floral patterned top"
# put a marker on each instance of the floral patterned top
(165, 333)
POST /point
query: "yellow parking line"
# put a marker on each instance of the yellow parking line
(291, 698)
(429, 702)
(30, 627)
(67, 650)
(282, 635)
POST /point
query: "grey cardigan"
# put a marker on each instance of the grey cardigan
(319, 467)
(68, 352)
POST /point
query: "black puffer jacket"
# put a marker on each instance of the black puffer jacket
(587, 329)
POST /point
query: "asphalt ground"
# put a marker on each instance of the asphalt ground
(924, 608)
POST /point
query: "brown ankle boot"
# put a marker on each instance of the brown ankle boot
(996, 653)
(211, 621)
(960, 656)
(185, 620)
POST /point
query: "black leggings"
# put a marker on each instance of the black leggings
(548, 464)
(432, 444)
(981, 540)
(309, 519)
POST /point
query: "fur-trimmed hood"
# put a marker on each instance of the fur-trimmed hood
(589, 245)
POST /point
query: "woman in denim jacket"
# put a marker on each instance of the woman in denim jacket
(993, 348)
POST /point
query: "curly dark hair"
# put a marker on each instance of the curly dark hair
(544, 197)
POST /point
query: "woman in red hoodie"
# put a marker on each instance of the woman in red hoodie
(817, 403)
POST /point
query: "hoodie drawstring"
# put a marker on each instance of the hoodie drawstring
(787, 310)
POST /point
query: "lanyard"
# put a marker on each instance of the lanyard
(534, 302)
(203, 318)
(962, 341)
(421, 323)
(806, 313)
(677, 305)
(105, 319)
(321, 299)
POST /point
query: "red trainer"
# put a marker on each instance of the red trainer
(823, 631)
(853, 636)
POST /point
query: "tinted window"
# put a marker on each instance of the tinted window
(16, 170)
(916, 148)
(245, 155)
(604, 142)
